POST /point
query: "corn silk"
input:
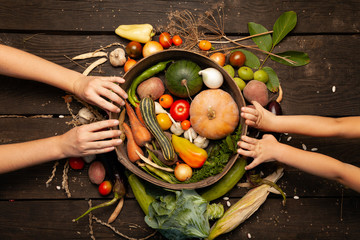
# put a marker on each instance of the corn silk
(245, 207)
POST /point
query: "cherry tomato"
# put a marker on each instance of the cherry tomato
(237, 59)
(185, 125)
(164, 121)
(105, 188)
(165, 40)
(133, 49)
(128, 64)
(76, 163)
(205, 45)
(180, 110)
(219, 58)
(166, 100)
(151, 47)
(177, 40)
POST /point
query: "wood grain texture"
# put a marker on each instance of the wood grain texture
(105, 16)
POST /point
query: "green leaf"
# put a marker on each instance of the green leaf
(264, 42)
(300, 58)
(252, 61)
(273, 83)
(283, 25)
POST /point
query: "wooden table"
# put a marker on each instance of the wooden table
(316, 208)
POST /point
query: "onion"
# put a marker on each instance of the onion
(212, 77)
(182, 172)
(153, 87)
(151, 47)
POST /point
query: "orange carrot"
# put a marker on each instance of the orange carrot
(140, 132)
(138, 113)
(131, 146)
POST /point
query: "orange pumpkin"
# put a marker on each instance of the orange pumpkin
(214, 114)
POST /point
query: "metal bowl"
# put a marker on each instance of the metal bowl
(204, 62)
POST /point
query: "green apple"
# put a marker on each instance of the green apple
(246, 73)
(261, 76)
(241, 83)
(230, 70)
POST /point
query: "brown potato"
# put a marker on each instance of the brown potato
(152, 87)
(256, 91)
(96, 172)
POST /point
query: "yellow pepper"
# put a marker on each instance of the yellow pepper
(136, 32)
(191, 154)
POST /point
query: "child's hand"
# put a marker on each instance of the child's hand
(261, 150)
(96, 90)
(258, 117)
(89, 139)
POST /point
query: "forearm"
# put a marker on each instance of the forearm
(20, 64)
(318, 126)
(319, 164)
(20, 155)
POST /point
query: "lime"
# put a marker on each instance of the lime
(261, 76)
(241, 83)
(230, 70)
(246, 73)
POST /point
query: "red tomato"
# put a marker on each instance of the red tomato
(185, 125)
(76, 163)
(205, 45)
(177, 40)
(105, 188)
(165, 40)
(180, 110)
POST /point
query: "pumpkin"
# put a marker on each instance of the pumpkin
(214, 114)
(182, 78)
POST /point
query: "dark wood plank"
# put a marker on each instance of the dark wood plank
(83, 16)
(317, 218)
(307, 90)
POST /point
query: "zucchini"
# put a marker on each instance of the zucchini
(227, 182)
(147, 108)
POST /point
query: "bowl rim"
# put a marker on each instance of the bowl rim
(121, 149)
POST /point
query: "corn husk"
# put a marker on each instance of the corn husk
(244, 208)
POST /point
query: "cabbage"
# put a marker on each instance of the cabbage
(182, 215)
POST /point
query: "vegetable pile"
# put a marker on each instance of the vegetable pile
(187, 119)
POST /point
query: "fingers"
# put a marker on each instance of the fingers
(100, 125)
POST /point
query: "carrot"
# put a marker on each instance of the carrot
(138, 113)
(139, 131)
(131, 146)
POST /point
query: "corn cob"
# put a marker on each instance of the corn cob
(244, 208)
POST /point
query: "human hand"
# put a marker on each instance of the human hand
(261, 150)
(258, 117)
(96, 90)
(89, 139)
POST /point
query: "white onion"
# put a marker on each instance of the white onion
(212, 77)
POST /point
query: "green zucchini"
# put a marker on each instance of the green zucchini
(147, 108)
(226, 183)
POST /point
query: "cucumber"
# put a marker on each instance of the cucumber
(139, 191)
(147, 108)
(226, 183)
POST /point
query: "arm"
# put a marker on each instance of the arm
(268, 149)
(20, 64)
(258, 117)
(79, 141)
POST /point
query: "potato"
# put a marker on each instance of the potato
(96, 172)
(152, 87)
(256, 91)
